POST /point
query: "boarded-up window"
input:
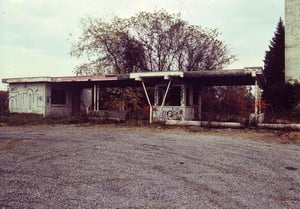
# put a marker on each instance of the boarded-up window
(58, 96)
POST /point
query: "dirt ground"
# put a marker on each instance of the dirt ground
(78, 166)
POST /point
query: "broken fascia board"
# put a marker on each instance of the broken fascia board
(165, 74)
(83, 78)
(59, 79)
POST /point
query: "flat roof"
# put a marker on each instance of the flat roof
(246, 76)
(83, 78)
(156, 74)
(26, 80)
(60, 79)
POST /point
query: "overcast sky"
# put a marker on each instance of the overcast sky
(36, 35)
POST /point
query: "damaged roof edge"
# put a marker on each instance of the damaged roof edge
(65, 79)
(26, 80)
(84, 78)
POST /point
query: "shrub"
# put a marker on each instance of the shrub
(3, 101)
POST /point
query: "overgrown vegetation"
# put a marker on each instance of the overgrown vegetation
(127, 98)
(3, 102)
(231, 103)
(22, 119)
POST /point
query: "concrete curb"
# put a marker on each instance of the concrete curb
(294, 127)
(215, 124)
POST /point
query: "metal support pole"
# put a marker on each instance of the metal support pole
(256, 98)
(98, 97)
(259, 100)
(123, 99)
(165, 96)
(95, 97)
(149, 103)
(200, 104)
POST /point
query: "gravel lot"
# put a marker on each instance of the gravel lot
(70, 166)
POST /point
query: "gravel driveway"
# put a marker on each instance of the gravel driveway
(118, 167)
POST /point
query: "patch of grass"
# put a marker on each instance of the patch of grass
(284, 117)
(78, 119)
(17, 119)
(224, 117)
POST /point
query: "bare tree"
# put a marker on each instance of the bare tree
(156, 41)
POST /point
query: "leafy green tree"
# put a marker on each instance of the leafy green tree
(156, 41)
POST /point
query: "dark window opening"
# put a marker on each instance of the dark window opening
(58, 96)
(187, 97)
(173, 96)
(196, 97)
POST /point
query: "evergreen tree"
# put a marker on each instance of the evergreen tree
(274, 90)
(274, 58)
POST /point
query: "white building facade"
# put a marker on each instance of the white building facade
(40, 98)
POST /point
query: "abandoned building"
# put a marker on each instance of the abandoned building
(64, 96)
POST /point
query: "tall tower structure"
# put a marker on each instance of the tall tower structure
(292, 40)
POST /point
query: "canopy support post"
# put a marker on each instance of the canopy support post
(149, 103)
(165, 96)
